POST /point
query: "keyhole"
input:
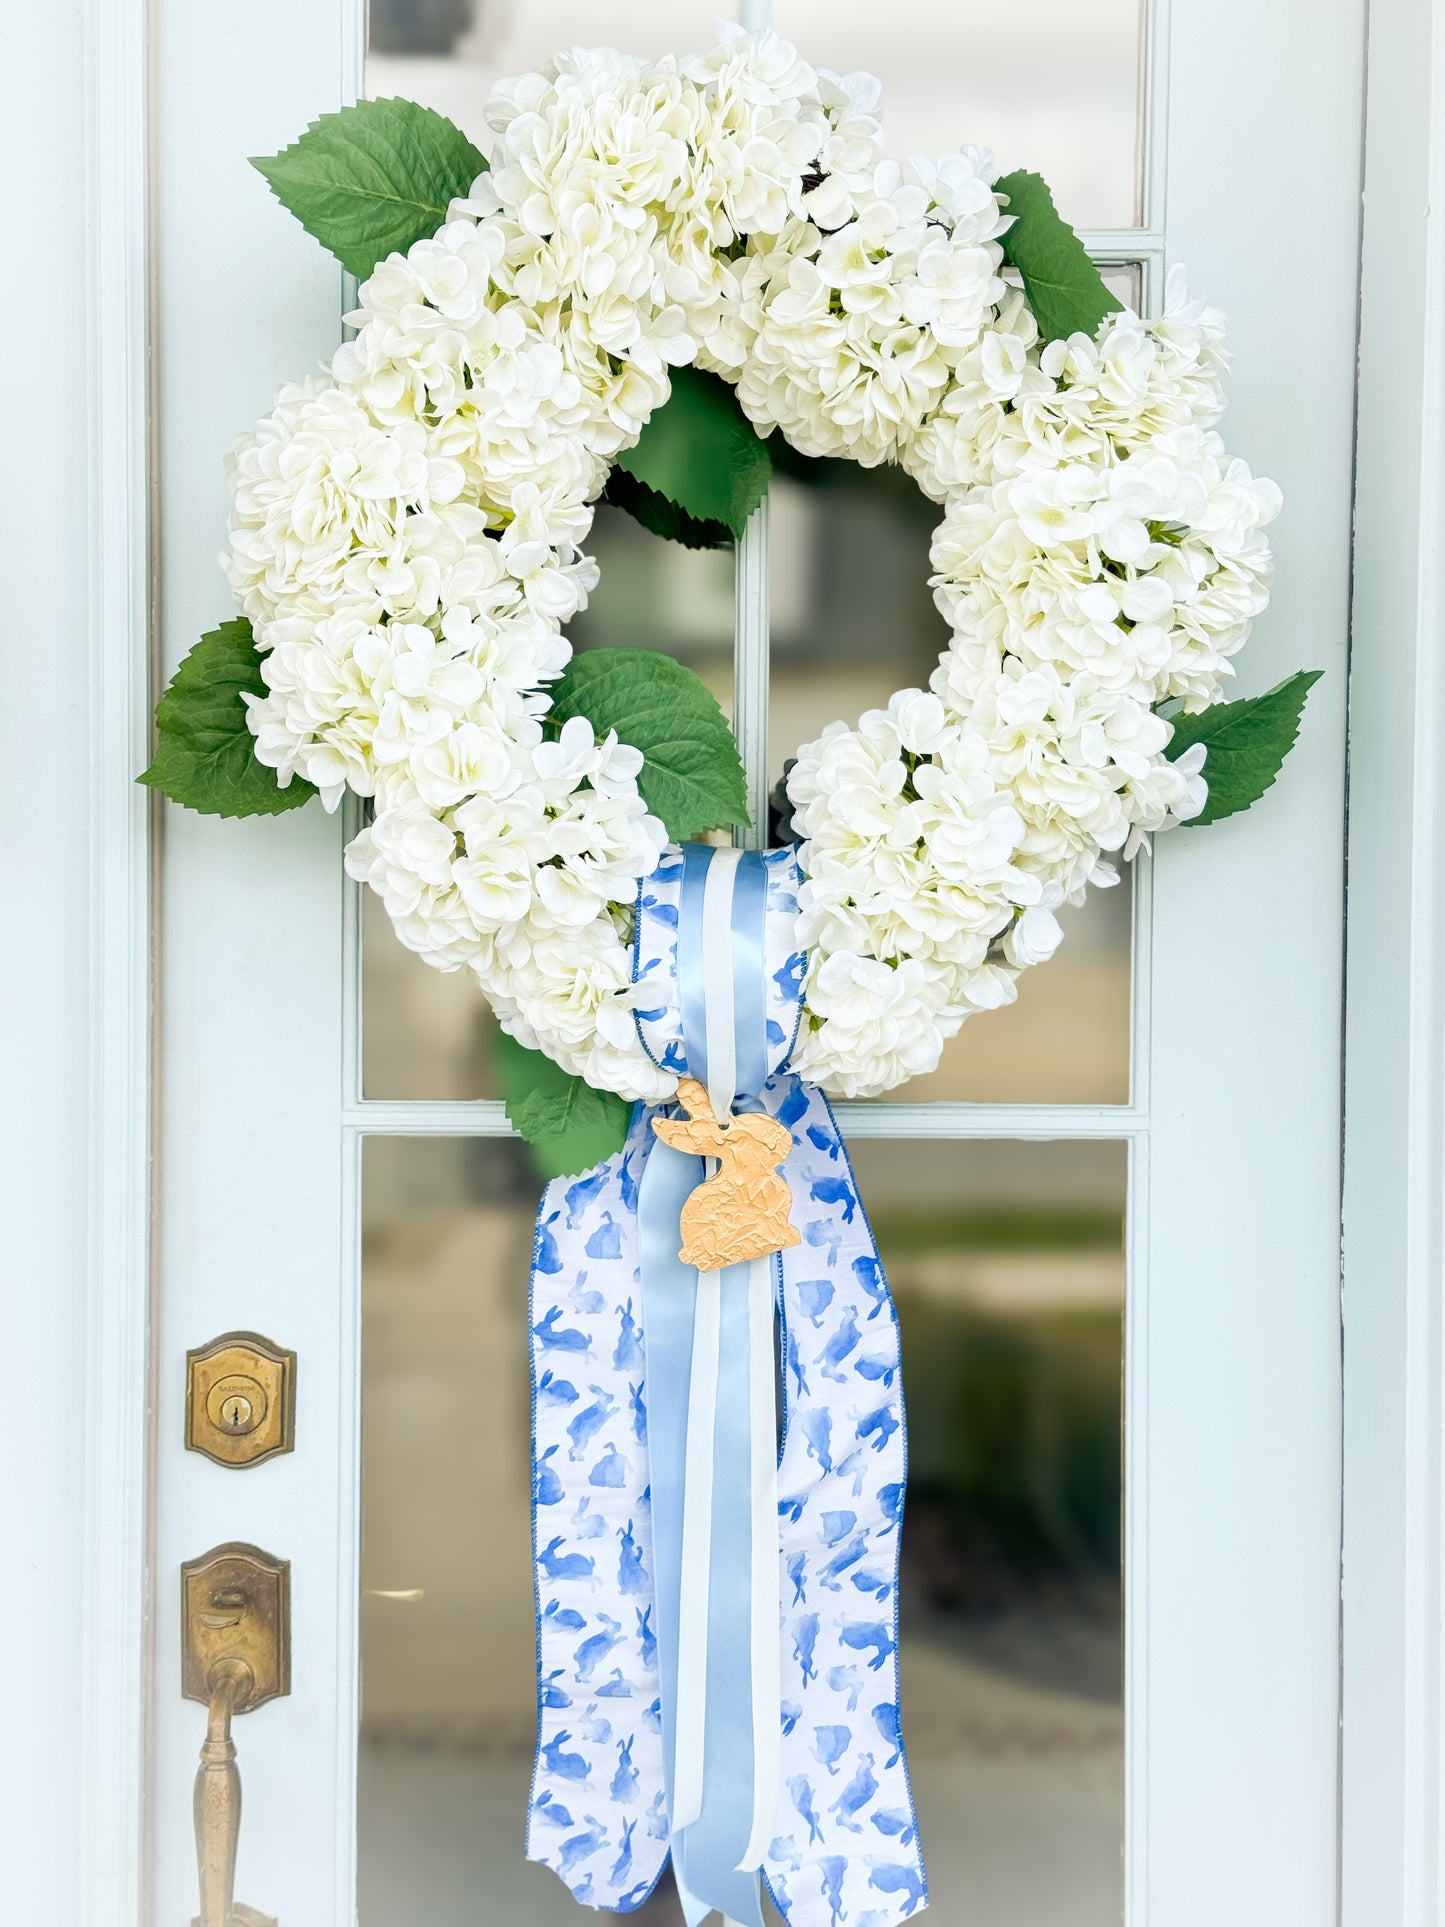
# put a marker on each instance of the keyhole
(236, 1406)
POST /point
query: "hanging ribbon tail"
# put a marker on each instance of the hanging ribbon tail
(717, 1624)
(598, 1809)
(846, 1847)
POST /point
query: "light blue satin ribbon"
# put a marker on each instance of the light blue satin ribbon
(807, 1667)
(723, 1704)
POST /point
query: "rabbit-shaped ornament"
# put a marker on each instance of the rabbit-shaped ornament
(741, 1211)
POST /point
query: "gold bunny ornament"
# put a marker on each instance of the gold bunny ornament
(741, 1211)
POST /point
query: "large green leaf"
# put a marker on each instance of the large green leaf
(205, 755)
(1064, 289)
(692, 776)
(702, 453)
(374, 178)
(1247, 741)
(662, 517)
(569, 1126)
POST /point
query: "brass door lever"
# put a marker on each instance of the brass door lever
(235, 1655)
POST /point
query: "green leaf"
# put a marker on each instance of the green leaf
(701, 453)
(369, 181)
(1247, 742)
(662, 517)
(569, 1126)
(692, 775)
(1065, 290)
(205, 755)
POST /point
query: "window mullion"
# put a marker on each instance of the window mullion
(750, 617)
(750, 671)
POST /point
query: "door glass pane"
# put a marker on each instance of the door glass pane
(425, 1035)
(853, 619)
(1006, 1262)
(1066, 1039)
(852, 615)
(428, 1034)
(1049, 84)
(1010, 1297)
(448, 54)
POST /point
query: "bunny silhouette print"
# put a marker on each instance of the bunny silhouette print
(741, 1211)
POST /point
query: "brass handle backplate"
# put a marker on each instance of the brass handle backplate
(235, 1655)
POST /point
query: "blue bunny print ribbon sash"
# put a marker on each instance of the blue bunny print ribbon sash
(708, 1687)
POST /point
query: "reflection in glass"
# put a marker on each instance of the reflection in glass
(853, 619)
(1048, 84)
(1125, 281)
(1053, 85)
(853, 616)
(425, 1033)
(655, 594)
(1066, 1039)
(448, 54)
(1006, 1262)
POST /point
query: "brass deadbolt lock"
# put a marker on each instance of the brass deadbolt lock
(240, 1399)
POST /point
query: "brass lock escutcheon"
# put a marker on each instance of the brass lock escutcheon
(235, 1655)
(240, 1399)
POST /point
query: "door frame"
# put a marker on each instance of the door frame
(82, 1616)
(1393, 1600)
(75, 976)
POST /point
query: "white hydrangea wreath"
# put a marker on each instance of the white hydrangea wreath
(408, 527)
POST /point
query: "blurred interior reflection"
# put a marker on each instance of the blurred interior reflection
(1006, 1262)
(1049, 84)
(853, 619)
(1066, 1040)
(1054, 85)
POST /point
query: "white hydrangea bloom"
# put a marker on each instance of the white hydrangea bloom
(408, 535)
(846, 337)
(1099, 556)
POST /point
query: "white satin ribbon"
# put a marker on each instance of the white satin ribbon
(717, 982)
(766, 1630)
(690, 1720)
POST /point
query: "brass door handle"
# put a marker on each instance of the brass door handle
(236, 1655)
(217, 1802)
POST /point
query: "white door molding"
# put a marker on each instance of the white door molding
(74, 971)
(116, 1587)
(249, 1087)
(1394, 1636)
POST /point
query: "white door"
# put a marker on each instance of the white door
(1111, 1217)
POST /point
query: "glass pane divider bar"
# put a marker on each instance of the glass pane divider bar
(750, 671)
(1153, 124)
(1140, 879)
(1123, 243)
(1035, 1122)
(750, 616)
(353, 1016)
